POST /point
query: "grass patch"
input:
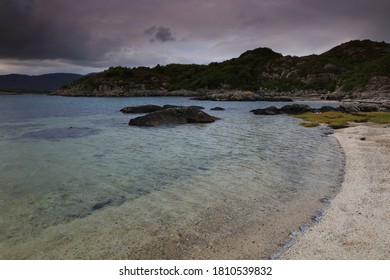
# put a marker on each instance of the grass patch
(309, 124)
(342, 120)
(378, 117)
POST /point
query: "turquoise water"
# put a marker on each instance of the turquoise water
(66, 162)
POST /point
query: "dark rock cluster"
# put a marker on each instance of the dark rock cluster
(143, 109)
(293, 109)
(170, 115)
(350, 107)
(217, 109)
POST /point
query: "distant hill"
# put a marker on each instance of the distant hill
(47, 82)
(350, 67)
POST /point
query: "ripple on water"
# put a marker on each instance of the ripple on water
(210, 183)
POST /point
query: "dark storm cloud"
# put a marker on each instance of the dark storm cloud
(30, 30)
(101, 33)
(334, 18)
(20, 33)
(369, 18)
(160, 33)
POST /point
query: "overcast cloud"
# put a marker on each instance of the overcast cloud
(41, 36)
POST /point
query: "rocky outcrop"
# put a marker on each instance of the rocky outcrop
(217, 109)
(368, 95)
(237, 95)
(366, 106)
(378, 83)
(172, 116)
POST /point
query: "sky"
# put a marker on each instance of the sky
(84, 36)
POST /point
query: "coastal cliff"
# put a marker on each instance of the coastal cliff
(356, 69)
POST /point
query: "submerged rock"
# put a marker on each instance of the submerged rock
(177, 115)
(56, 134)
(101, 204)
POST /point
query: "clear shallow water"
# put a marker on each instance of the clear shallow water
(63, 158)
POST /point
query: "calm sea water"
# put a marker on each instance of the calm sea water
(77, 182)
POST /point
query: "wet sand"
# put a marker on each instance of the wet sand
(357, 224)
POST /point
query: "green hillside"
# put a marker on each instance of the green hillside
(352, 66)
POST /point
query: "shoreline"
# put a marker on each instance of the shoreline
(356, 225)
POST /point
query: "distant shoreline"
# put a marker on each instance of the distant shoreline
(22, 92)
(221, 95)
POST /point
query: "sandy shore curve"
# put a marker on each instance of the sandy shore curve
(357, 224)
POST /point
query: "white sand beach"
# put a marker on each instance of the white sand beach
(357, 224)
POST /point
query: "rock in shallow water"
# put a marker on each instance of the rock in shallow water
(293, 109)
(288, 109)
(141, 109)
(101, 204)
(151, 108)
(176, 115)
(178, 106)
(217, 109)
(267, 111)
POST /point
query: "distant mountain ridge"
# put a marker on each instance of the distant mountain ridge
(46, 82)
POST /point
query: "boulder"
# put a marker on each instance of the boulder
(141, 109)
(324, 109)
(295, 109)
(217, 109)
(170, 116)
(267, 111)
(292, 109)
